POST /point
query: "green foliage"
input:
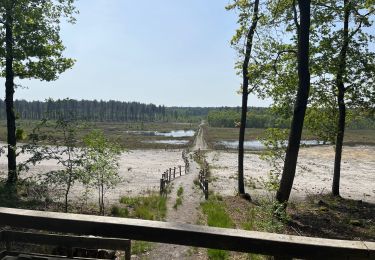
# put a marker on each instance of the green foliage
(20, 134)
(256, 118)
(216, 214)
(65, 151)
(140, 247)
(177, 203)
(274, 141)
(180, 191)
(322, 122)
(152, 207)
(101, 164)
(37, 46)
(179, 198)
(268, 216)
(214, 209)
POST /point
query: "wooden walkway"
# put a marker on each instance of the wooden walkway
(190, 235)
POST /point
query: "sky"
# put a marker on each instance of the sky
(169, 52)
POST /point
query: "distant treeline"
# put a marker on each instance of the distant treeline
(260, 117)
(117, 111)
(257, 117)
(102, 111)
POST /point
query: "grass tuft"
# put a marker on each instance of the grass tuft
(152, 207)
(216, 217)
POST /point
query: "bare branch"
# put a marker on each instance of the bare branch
(278, 57)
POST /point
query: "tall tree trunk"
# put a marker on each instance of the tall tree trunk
(341, 101)
(303, 31)
(245, 94)
(9, 93)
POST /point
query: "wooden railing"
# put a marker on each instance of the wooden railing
(203, 182)
(72, 244)
(189, 235)
(171, 173)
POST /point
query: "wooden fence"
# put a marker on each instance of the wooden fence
(172, 173)
(203, 183)
(189, 235)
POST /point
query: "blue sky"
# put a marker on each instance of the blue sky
(169, 52)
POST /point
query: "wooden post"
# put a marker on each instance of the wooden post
(128, 253)
(180, 169)
(170, 174)
(69, 252)
(7, 246)
(161, 186)
(174, 172)
(206, 189)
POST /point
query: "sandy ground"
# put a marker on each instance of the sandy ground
(314, 173)
(140, 170)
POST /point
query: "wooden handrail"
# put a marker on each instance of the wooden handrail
(189, 235)
(68, 241)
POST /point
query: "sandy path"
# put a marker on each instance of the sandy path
(200, 143)
(185, 213)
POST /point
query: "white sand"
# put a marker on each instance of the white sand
(314, 172)
(142, 169)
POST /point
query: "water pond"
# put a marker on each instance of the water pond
(173, 142)
(256, 145)
(173, 133)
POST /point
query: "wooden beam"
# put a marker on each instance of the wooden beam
(66, 240)
(189, 235)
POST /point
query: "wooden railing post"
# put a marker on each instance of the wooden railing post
(180, 169)
(174, 173)
(170, 174)
(161, 186)
(206, 189)
(128, 252)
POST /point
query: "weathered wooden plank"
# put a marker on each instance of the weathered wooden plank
(190, 235)
(68, 241)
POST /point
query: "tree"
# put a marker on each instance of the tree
(291, 156)
(30, 48)
(62, 147)
(246, 32)
(343, 68)
(350, 80)
(101, 164)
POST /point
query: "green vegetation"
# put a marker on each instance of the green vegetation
(217, 134)
(151, 207)
(104, 111)
(217, 216)
(180, 191)
(140, 247)
(23, 26)
(129, 135)
(179, 198)
(257, 117)
(100, 164)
